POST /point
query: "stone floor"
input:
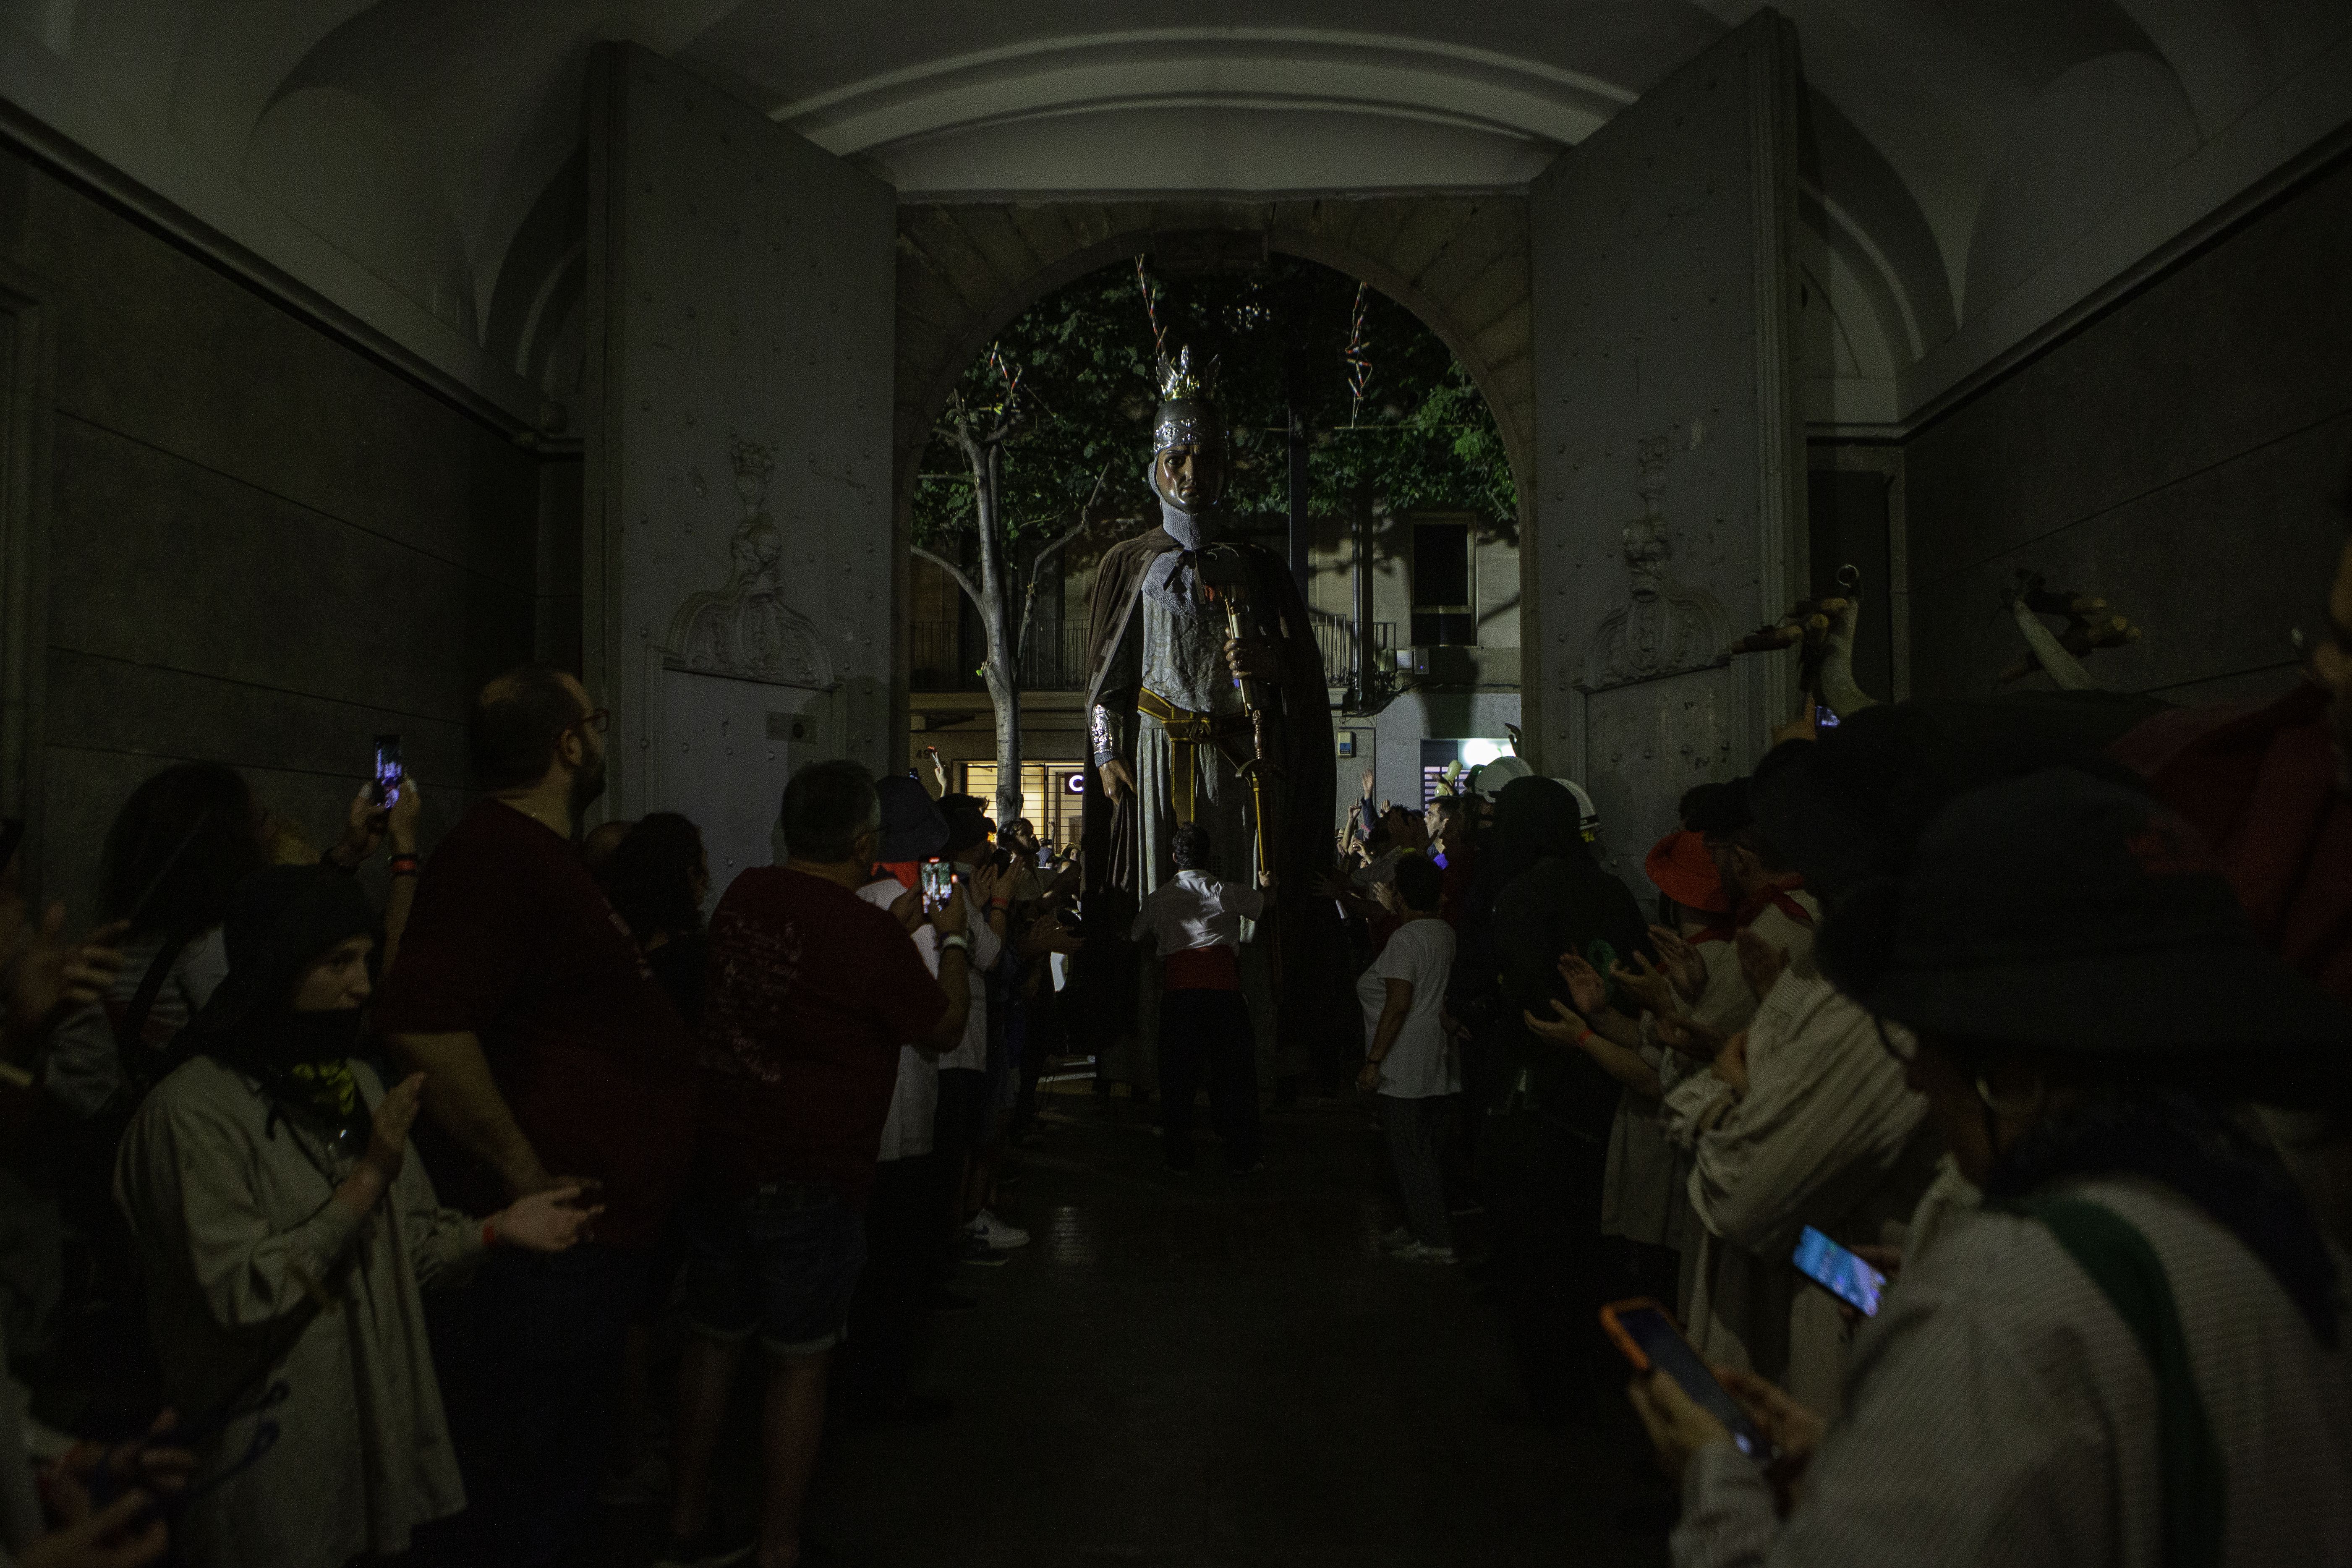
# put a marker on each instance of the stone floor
(1216, 1372)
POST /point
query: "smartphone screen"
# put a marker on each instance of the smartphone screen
(938, 882)
(1663, 1345)
(388, 772)
(1839, 1271)
(1044, 857)
(1824, 716)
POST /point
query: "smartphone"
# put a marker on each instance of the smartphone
(388, 772)
(1824, 716)
(938, 882)
(1645, 1331)
(1839, 1271)
(1044, 857)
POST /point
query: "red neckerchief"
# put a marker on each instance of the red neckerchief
(1718, 930)
(905, 870)
(1757, 903)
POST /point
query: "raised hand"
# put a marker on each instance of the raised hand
(1731, 1063)
(1646, 986)
(1682, 963)
(1761, 963)
(1562, 1029)
(1687, 1036)
(54, 977)
(401, 820)
(388, 1128)
(1585, 984)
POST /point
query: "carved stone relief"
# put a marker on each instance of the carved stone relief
(1663, 628)
(744, 628)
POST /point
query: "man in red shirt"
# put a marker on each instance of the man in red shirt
(813, 993)
(551, 1056)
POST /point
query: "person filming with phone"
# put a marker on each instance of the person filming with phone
(2133, 1352)
(813, 993)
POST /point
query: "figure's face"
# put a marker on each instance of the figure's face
(1191, 476)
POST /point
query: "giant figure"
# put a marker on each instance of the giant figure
(1206, 703)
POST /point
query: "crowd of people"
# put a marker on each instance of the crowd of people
(390, 1211)
(2027, 1019)
(359, 1230)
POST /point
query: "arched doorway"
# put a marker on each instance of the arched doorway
(1398, 510)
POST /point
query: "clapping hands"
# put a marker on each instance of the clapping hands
(1681, 962)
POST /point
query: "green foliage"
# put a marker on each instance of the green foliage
(1421, 439)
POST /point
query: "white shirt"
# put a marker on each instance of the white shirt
(915, 1100)
(1195, 910)
(1420, 1062)
(1998, 1412)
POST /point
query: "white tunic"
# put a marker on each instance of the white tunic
(236, 1243)
(1827, 1135)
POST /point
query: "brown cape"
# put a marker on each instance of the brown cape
(1310, 952)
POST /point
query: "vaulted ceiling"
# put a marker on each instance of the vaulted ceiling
(1975, 168)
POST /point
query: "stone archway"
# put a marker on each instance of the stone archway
(1458, 262)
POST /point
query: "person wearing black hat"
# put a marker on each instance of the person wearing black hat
(285, 1229)
(2133, 1352)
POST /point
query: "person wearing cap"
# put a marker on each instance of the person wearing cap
(2133, 1354)
(285, 1230)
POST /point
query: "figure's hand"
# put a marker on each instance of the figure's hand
(1585, 986)
(1731, 1063)
(1117, 782)
(1678, 1426)
(396, 1113)
(1252, 657)
(1687, 1036)
(1369, 1081)
(1805, 726)
(401, 821)
(53, 977)
(550, 1221)
(1680, 961)
(1761, 963)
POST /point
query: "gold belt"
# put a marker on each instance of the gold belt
(1187, 731)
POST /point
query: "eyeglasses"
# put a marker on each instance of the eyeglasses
(599, 720)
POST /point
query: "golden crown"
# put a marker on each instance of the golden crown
(1181, 381)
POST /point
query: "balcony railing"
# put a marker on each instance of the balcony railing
(1055, 659)
(1335, 637)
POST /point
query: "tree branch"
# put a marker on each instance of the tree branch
(956, 572)
(1037, 562)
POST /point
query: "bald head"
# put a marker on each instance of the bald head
(517, 723)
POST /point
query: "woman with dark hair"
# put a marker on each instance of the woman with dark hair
(658, 877)
(285, 1230)
(2133, 1352)
(175, 851)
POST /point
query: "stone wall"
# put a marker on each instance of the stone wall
(2185, 456)
(262, 547)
